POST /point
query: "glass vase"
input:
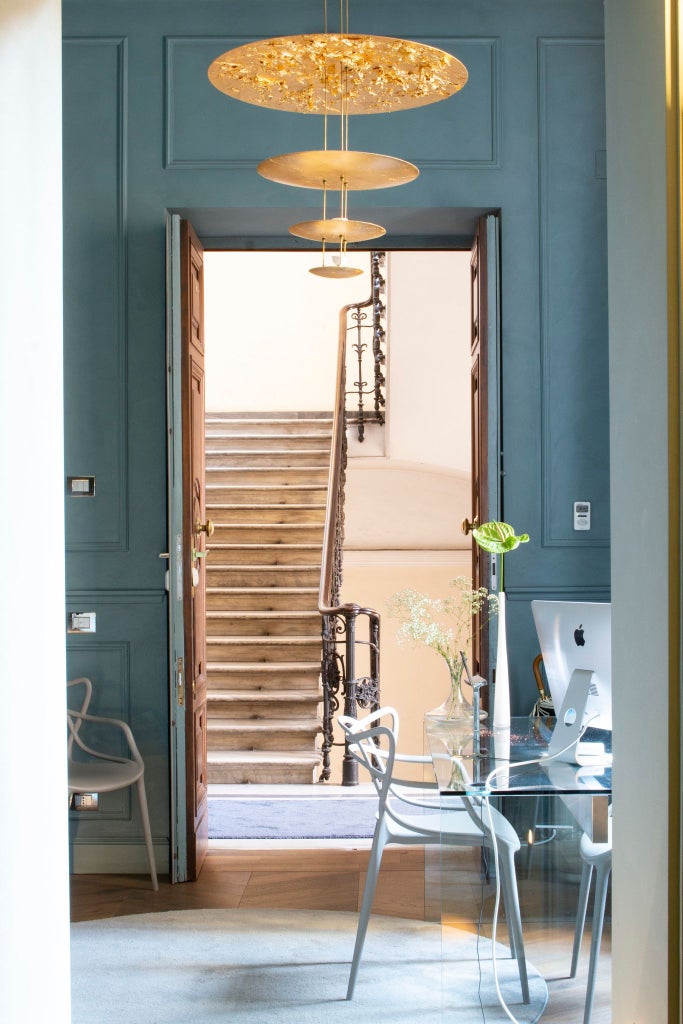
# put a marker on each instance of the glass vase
(455, 707)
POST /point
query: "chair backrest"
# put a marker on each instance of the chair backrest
(73, 723)
(373, 746)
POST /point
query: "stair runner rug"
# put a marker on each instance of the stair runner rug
(287, 967)
(307, 817)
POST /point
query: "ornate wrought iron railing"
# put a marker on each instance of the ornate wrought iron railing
(340, 632)
(373, 320)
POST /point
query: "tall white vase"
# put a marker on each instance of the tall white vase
(501, 697)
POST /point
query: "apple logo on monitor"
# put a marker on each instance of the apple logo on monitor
(578, 636)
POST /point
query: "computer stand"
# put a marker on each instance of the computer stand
(570, 718)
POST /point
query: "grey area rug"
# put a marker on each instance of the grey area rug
(284, 967)
(308, 817)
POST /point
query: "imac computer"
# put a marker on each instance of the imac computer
(575, 639)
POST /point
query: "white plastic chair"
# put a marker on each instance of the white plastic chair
(598, 856)
(104, 773)
(460, 825)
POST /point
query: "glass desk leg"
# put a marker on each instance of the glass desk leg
(461, 884)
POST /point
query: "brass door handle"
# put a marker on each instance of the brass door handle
(206, 527)
(466, 526)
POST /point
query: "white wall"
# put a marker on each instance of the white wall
(34, 870)
(637, 231)
(272, 329)
(429, 358)
(419, 494)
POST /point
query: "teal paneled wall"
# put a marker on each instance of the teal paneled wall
(145, 132)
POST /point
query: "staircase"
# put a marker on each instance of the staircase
(266, 487)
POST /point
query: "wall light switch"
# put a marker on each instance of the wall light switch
(582, 515)
(80, 486)
(82, 622)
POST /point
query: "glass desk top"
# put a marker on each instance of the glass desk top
(496, 761)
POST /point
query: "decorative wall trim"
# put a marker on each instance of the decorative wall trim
(173, 44)
(116, 596)
(92, 858)
(569, 593)
(545, 46)
(121, 543)
(359, 557)
(92, 647)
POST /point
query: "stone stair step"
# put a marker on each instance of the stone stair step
(285, 513)
(254, 623)
(264, 677)
(263, 704)
(265, 493)
(262, 599)
(286, 476)
(240, 440)
(263, 649)
(285, 458)
(262, 575)
(266, 533)
(276, 734)
(281, 423)
(263, 554)
(266, 766)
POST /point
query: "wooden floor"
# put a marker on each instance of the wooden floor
(332, 879)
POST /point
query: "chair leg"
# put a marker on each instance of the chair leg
(142, 798)
(602, 874)
(366, 904)
(584, 890)
(508, 882)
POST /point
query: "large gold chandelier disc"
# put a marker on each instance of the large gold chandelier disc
(337, 169)
(321, 73)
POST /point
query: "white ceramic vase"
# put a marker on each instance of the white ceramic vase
(501, 696)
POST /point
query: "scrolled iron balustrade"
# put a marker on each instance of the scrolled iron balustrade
(361, 389)
(340, 638)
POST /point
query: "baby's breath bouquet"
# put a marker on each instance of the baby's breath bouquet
(446, 626)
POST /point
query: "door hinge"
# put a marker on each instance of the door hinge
(180, 682)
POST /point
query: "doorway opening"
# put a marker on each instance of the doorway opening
(270, 349)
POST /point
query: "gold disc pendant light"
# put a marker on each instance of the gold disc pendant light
(339, 74)
(358, 170)
(338, 231)
(333, 229)
(301, 73)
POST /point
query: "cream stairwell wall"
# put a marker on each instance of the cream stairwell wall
(403, 512)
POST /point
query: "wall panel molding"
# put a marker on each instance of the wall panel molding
(559, 593)
(108, 664)
(571, 183)
(106, 528)
(205, 130)
(142, 596)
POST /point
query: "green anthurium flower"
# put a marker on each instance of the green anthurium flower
(498, 538)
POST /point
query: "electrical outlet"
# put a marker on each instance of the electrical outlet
(84, 801)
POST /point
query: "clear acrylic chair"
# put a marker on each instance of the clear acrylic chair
(100, 772)
(596, 856)
(372, 742)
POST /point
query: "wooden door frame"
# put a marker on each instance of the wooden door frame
(189, 816)
(177, 557)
